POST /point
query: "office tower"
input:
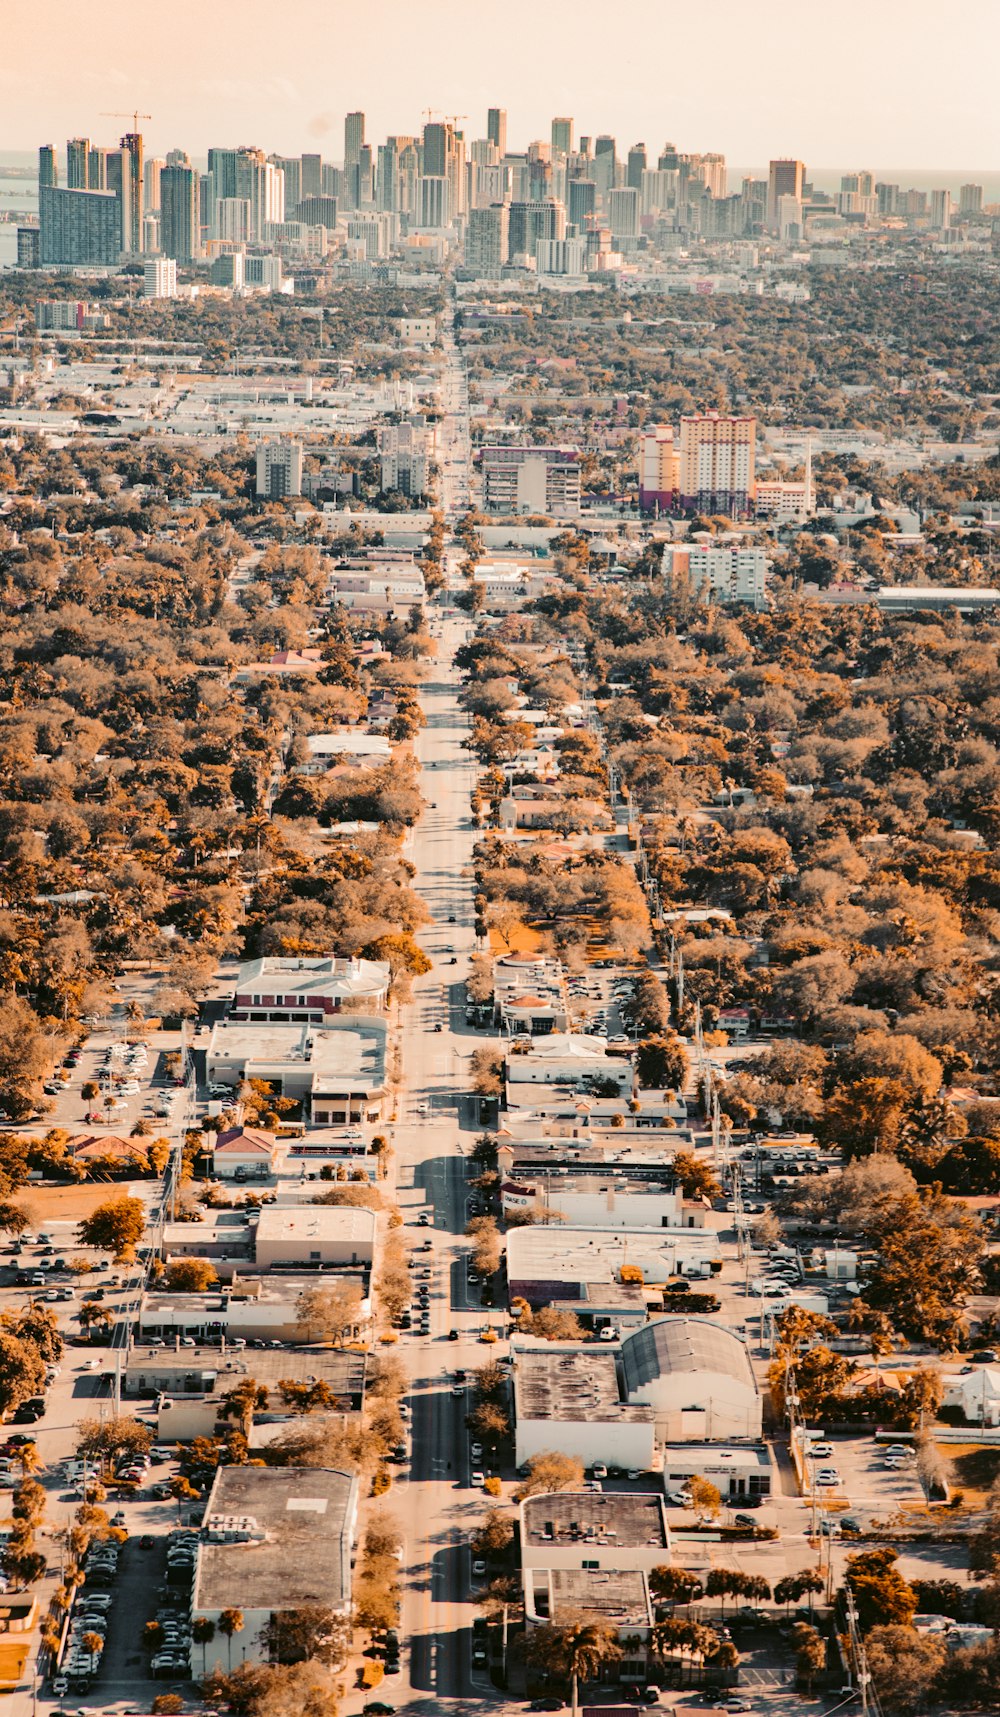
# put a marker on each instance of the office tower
(753, 195)
(432, 199)
(528, 479)
(658, 191)
(668, 160)
(437, 142)
(77, 151)
(180, 222)
(150, 234)
(131, 145)
(717, 463)
(636, 166)
(227, 270)
(311, 183)
(258, 182)
(941, 210)
(408, 173)
(623, 213)
(487, 240)
(291, 167)
(78, 227)
(857, 195)
(159, 278)
(562, 136)
(605, 165)
(151, 181)
(582, 203)
(658, 469)
(970, 200)
(119, 182)
(354, 142)
(707, 170)
(785, 179)
(48, 167)
(331, 181)
(387, 176)
(279, 469)
(496, 128)
(97, 169)
(317, 211)
(528, 222)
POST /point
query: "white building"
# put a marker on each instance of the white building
(696, 1374)
(978, 1395)
(159, 277)
(315, 1234)
(279, 469)
(402, 451)
(569, 1059)
(568, 1399)
(290, 991)
(595, 1200)
(352, 746)
(336, 1071)
(725, 574)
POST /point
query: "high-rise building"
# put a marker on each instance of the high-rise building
(496, 128)
(437, 144)
(717, 456)
(658, 469)
(487, 240)
(636, 166)
(78, 227)
(48, 166)
(605, 164)
(227, 269)
(970, 200)
(279, 469)
(888, 198)
(311, 184)
(785, 178)
(291, 166)
(180, 223)
(365, 170)
(623, 213)
(97, 169)
(582, 203)
(531, 221)
(354, 143)
(432, 200)
(28, 247)
(402, 449)
(77, 152)
(159, 277)
(317, 211)
(151, 181)
(131, 145)
(222, 172)
(562, 136)
(528, 479)
(941, 210)
(119, 182)
(725, 574)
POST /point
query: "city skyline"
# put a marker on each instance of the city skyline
(762, 95)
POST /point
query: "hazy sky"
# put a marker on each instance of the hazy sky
(868, 83)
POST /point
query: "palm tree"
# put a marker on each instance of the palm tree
(578, 1651)
(203, 1631)
(230, 1623)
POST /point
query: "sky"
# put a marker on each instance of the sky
(862, 83)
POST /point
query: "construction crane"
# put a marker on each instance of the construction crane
(134, 117)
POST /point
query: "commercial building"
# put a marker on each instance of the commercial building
(604, 1200)
(786, 178)
(487, 240)
(189, 1385)
(580, 1270)
(526, 479)
(589, 1557)
(180, 224)
(53, 313)
(292, 991)
(314, 1234)
(697, 1375)
(81, 228)
(569, 1400)
(249, 1308)
(737, 1472)
(571, 1060)
(159, 277)
(243, 1153)
(717, 464)
(496, 128)
(529, 995)
(279, 469)
(336, 1071)
(659, 469)
(274, 1539)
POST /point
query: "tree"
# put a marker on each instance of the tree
(243, 1402)
(203, 1633)
(670, 1585)
(485, 1068)
(810, 1654)
(495, 1536)
(108, 1440)
(311, 1632)
(116, 1226)
(577, 1652)
(880, 1592)
(695, 1177)
(27, 1054)
(230, 1622)
(552, 1324)
(705, 1496)
(329, 1313)
(486, 1252)
(22, 1370)
(39, 1326)
(550, 1471)
(904, 1667)
(92, 1316)
(190, 1276)
(661, 1062)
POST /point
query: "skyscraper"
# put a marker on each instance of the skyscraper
(48, 167)
(496, 127)
(291, 166)
(971, 200)
(311, 184)
(151, 181)
(77, 151)
(582, 203)
(623, 212)
(119, 182)
(605, 164)
(785, 178)
(78, 227)
(131, 143)
(180, 225)
(433, 210)
(562, 135)
(487, 240)
(97, 170)
(941, 210)
(354, 142)
(636, 166)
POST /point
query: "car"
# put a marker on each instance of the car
(423, 1219)
(421, 1108)
(820, 1451)
(478, 1652)
(378, 1708)
(479, 1568)
(777, 1291)
(458, 1389)
(899, 1451)
(744, 1520)
(131, 1088)
(609, 1333)
(736, 1702)
(477, 1478)
(828, 1476)
(985, 1356)
(453, 1335)
(60, 1686)
(549, 1703)
(476, 1451)
(599, 1470)
(850, 1523)
(391, 1666)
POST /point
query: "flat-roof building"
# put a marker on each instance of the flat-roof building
(569, 1399)
(290, 991)
(337, 1071)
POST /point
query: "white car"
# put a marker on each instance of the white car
(131, 1088)
(478, 1568)
(599, 1470)
(477, 1479)
(820, 1451)
(828, 1476)
(476, 1451)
